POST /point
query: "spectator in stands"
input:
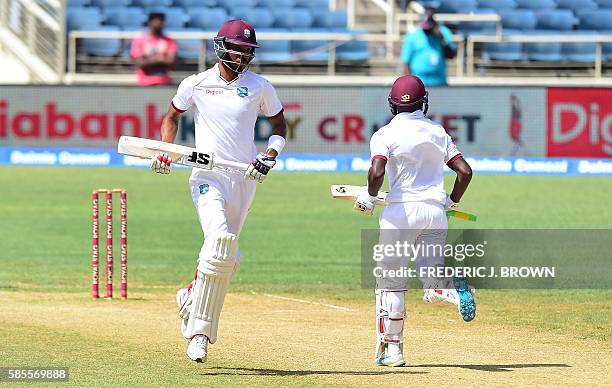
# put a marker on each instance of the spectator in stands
(426, 49)
(154, 53)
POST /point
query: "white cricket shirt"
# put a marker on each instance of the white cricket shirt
(416, 150)
(225, 112)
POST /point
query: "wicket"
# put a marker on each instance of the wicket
(95, 242)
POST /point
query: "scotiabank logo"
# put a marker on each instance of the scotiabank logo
(51, 122)
(579, 122)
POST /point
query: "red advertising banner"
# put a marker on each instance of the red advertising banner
(579, 122)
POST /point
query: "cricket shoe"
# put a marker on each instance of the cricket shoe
(197, 350)
(394, 360)
(467, 305)
(183, 299)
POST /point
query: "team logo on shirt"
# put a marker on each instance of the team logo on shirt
(242, 91)
(204, 188)
(405, 98)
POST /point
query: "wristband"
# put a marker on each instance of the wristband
(276, 143)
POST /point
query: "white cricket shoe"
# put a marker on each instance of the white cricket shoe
(391, 357)
(183, 299)
(437, 295)
(197, 350)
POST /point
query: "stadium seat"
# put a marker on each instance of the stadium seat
(101, 47)
(187, 48)
(604, 3)
(175, 17)
(470, 28)
(276, 4)
(111, 3)
(313, 4)
(537, 4)
(125, 16)
(293, 18)
(195, 3)
(310, 50)
(77, 3)
(559, 19)
(596, 20)
(354, 50)
(577, 5)
(543, 51)
(207, 19)
(83, 18)
(273, 50)
(606, 50)
(579, 52)
(232, 5)
(153, 3)
(435, 4)
(457, 6)
(258, 17)
(497, 5)
(520, 19)
(329, 19)
(504, 51)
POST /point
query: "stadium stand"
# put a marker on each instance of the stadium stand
(111, 3)
(125, 16)
(207, 19)
(497, 5)
(537, 4)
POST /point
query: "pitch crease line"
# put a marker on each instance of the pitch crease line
(331, 306)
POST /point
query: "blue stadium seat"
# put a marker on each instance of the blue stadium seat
(187, 48)
(313, 4)
(435, 4)
(293, 18)
(520, 19)
(153, 3)
(273, 50)
(232, 5)
(329, 19)
(606, 47)
(77, 3)
(354, 50)
(577, 5)
(258, 17)
(559, 19)
(579, 52)
(311, 50)
(111, 3)
(537, 4)
(498, 5)
(125, 16)
(543, 51)
(504, 51)
(83, 18)
(457, 6)
(276, 4)
(207, 19)
(195, 3)
(479, 27)
(604, 3)
(175, 17)
(596, 20)
(101, 47)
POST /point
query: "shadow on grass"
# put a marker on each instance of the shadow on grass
(219, 371)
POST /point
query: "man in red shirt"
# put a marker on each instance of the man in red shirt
(154, 53)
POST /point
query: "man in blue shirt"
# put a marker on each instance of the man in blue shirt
(426, 49)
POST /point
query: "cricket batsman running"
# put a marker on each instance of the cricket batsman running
(413, 150)
(227, 100)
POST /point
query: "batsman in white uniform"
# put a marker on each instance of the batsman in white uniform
(227, 100)
(413, 150)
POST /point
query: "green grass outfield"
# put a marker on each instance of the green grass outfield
(297, 241)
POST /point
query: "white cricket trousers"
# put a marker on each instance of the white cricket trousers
(413, 223)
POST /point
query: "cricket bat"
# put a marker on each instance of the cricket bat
(350, 193)
(182, 155)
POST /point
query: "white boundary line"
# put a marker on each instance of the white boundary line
(331, 306)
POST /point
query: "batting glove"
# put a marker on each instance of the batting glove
(364, 204)
(450, 204)
(259, 169)
(161, 163)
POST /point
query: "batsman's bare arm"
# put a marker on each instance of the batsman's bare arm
(279, 127)
(169, 126)
(464, 176)
(376, 176)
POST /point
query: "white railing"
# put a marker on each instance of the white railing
(34, 32)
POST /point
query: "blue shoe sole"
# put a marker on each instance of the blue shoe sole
(467, 305)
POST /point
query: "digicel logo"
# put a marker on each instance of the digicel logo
(52, 123)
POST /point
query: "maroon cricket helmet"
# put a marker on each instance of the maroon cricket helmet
(408, 91)
(238, 32)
